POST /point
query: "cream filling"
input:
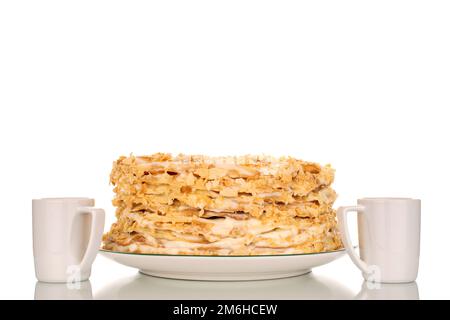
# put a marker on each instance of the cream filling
(226, 163)
(257, 235)
(228, 243)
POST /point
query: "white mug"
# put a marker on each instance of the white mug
(67, 233)
(389, 238)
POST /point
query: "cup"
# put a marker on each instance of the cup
(67, 233)
(389, 238)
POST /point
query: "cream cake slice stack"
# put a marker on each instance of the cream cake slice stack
(198, 205)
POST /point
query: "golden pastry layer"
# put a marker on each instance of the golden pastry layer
(222, 206)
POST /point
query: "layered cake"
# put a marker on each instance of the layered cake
(198, 205)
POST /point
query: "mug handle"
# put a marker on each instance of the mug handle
(345, 235)
(95, 236)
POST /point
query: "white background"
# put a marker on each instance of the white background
(363, 85)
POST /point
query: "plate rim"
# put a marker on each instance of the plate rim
(342, 250)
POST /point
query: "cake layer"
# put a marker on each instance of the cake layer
(227, 226)
(148, 230)
(314, 238)
(201, 205)
(255, 176)
(248, 250)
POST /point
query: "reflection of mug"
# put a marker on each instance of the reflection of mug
(61, 291)
(65, 239)
(389, 291)
(389, 238)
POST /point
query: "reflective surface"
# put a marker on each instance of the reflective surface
(388, 291)
(302, 287)
(310, 286)
(62, 291)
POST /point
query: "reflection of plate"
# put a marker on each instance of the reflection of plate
(223, 268)
(142, 287)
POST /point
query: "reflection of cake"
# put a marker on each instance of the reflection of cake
(200, 205)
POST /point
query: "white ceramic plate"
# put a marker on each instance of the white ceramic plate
(223, 268)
